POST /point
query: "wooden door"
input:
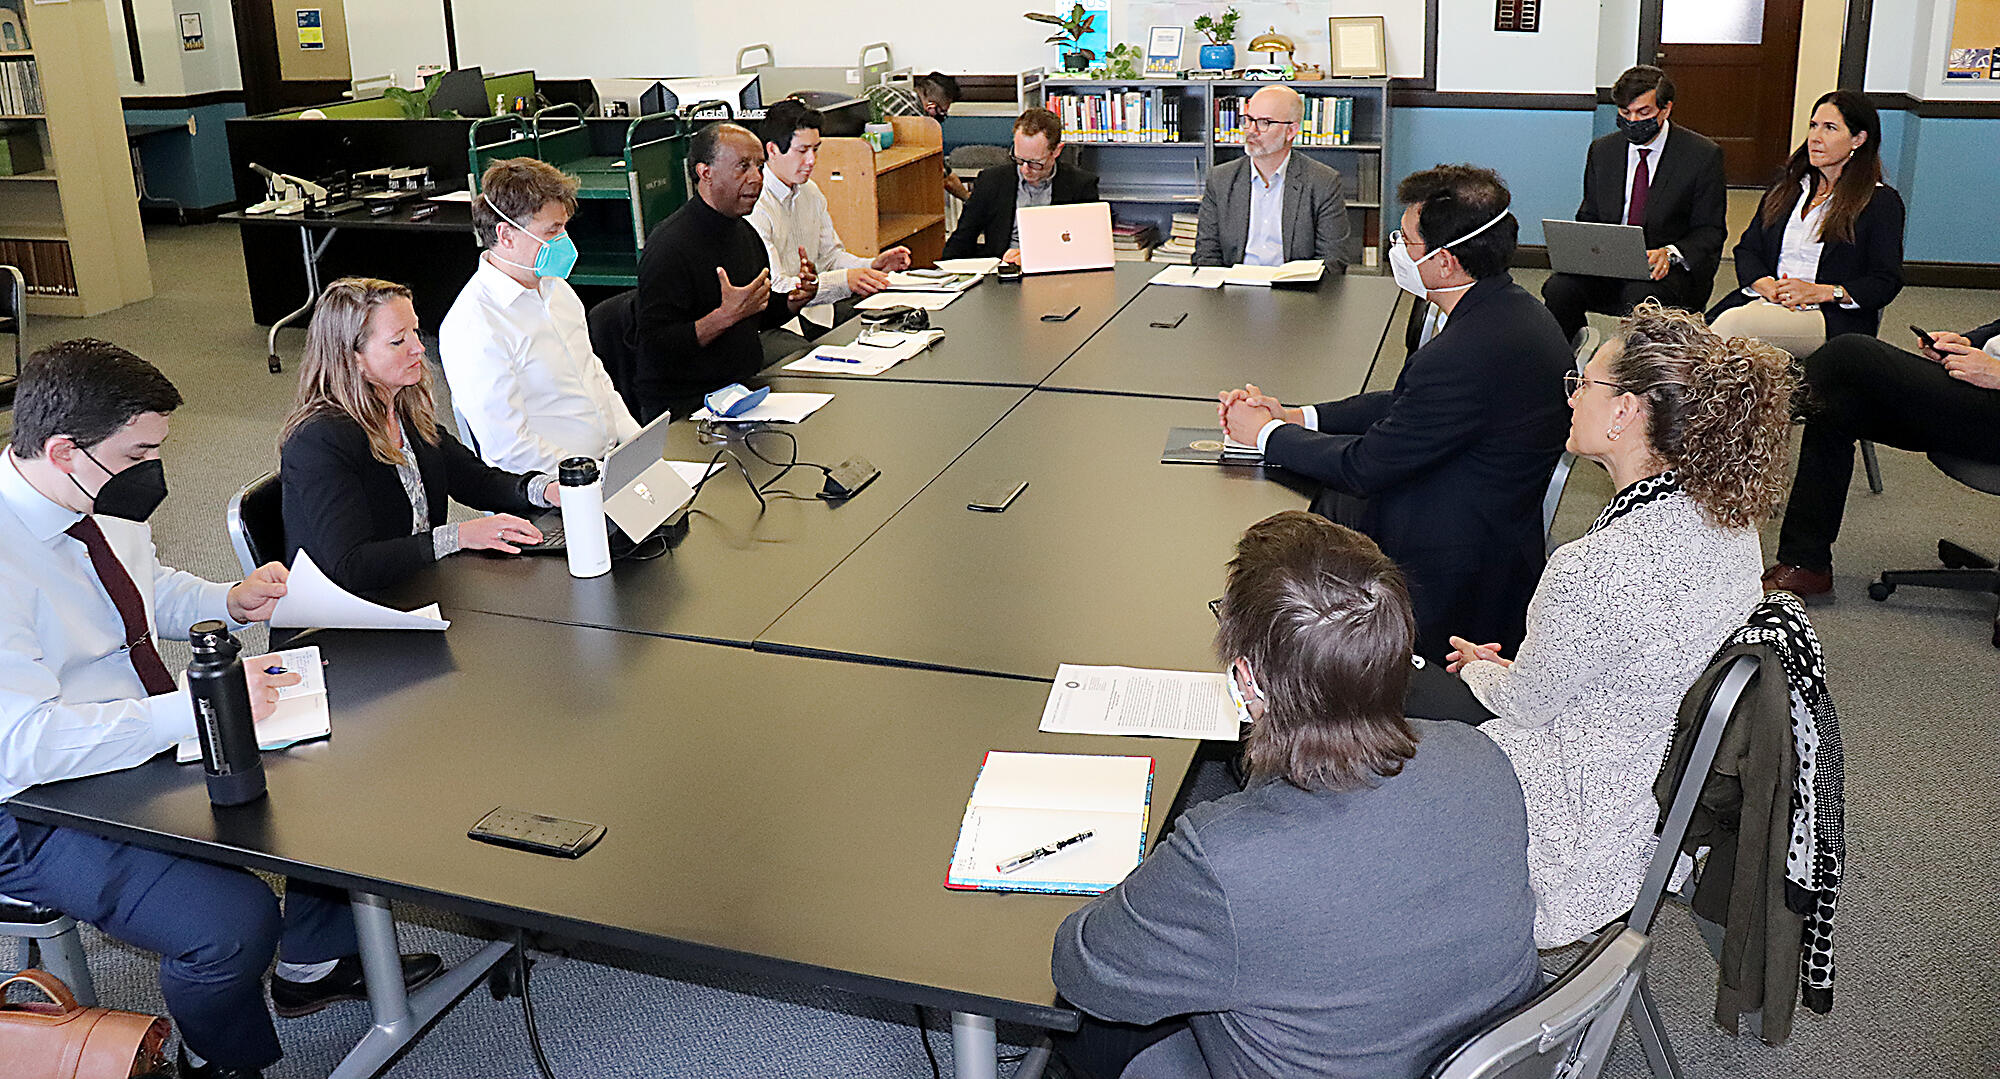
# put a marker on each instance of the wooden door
(1735, 66)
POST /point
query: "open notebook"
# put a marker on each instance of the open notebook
(301, 715)
(1023, 801)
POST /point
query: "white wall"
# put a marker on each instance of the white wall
(1892, 44)
(1561, 58)
(170, 71)
(1617, 38)
(391, 37)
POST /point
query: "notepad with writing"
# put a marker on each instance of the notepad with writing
(1295, 272)
(1023, 801)
(301, 715)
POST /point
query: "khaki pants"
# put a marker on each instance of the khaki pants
(1797, 332)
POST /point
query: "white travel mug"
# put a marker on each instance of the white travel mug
(589, 545)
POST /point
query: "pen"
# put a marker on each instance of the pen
(835, 359)
(274, 670)
(1040, 853)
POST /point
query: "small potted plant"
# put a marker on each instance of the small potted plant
(1070, 32)
(1218, 54)
(1124, 62)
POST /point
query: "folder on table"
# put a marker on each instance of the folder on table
(1207, 446)
(1022, 801)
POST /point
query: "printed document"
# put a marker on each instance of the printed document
(884, 349)
(311, 600)
(928, 301)
(1295, 272)
(1134, 700)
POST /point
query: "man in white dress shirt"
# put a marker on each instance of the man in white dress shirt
(515, 345)
(83, 691)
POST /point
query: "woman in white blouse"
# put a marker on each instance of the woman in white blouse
(1824, 255)
(1692, 428)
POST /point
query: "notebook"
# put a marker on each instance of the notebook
(301, 715)
(1295, 272)
(1207, 446)
(1023, 801)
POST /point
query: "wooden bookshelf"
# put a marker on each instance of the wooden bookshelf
(878, 201)
(72, 226)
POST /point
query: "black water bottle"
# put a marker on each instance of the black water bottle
(222, 716)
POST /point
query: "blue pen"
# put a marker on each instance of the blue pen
(835, 359)
(275, 670)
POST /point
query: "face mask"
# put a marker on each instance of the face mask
(1236, 694)
(556, 258)
(131, 495)
(1405, 267)
(1640, 132)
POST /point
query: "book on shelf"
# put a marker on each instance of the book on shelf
(20, 87)
(44, 263)
(1328, 120)
(1100, 116)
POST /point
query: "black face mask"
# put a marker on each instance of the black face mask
(1640, 132)
(131, 495)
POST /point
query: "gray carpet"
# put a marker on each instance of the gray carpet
(1914, 679)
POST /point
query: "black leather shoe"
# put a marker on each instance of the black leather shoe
(213, 1070)
(293, 999)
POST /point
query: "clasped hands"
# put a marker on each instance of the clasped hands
(1243, 413)
(1464, 652)
(1795, 293)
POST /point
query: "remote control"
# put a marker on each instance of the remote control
(537, 833)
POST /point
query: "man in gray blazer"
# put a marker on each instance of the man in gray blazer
(1272, 205)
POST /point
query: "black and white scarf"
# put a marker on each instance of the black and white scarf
(1643, 492)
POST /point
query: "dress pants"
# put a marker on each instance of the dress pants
(1570, 296)
(1799, 333)
(1859, 387)
(215, 928)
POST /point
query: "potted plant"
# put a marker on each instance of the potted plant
(1218, 54)
(1071, 30)
(1124, 62)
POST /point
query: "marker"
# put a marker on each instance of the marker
(1039, 853)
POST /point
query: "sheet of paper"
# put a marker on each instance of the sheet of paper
(929, 301)
(461, 195)
(869, 359)
(1298, 271)
(1136, 701)
(776, 408)
(931, 281)
(972, 266)
(1191, 276)
(693, 472)
(301, 715)
(312, 601)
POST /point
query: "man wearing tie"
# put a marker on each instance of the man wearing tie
(1662, 177)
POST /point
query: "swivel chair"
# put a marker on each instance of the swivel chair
(256, 522)
(54, 935)
(1965, 570)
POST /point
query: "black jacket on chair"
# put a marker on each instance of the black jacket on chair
(1870, 268)
(990, 210)
(1454, 462)
(350, 512)
(1687, 200)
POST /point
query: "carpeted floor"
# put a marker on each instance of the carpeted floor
(1914, 679)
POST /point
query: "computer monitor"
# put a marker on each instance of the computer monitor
(462, 91)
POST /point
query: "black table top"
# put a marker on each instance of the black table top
(738, 569)
(995, 333)
(450, 217)
(1107, 557)
(1305, 345)
(769, 813)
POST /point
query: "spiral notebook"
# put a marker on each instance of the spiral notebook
(1023, 801)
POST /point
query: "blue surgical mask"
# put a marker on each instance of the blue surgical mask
(556, 258)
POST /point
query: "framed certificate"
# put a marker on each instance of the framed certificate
(1356, 47)
(1163, 51)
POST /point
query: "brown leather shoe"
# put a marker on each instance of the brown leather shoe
(1803, 583)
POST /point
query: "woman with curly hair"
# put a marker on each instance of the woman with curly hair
(1693, 430)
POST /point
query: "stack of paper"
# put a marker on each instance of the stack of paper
(932, 281)
(929, 301)
(1026, 801)
(775, 408)
(1296, 272)
(884, 350)
(971, 266)
(1190, 276)
(301, 715)
(1133, 700)
(311, 600)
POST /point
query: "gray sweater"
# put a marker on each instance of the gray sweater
(1351, 933)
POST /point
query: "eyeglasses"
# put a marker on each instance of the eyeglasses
(1036, 163)
(1396, 237)
(1215, 608)
(1574, 381)
(1265, 123)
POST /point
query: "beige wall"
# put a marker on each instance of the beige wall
(1820, 25)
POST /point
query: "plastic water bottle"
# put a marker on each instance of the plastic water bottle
(589, 544)
(222, 717)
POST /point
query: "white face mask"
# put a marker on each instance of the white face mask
(1405, 268)
(1236, 694)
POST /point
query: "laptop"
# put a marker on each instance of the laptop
(1059, 238)
(641, 490)
(1594, 249)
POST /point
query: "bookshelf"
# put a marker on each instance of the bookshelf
(880, 200)
(69, 215)
(1151, 143)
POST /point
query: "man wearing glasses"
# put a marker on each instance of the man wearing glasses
(1272, 205)
(988, 226)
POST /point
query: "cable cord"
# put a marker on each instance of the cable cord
(528, 1006)
(924, 1034)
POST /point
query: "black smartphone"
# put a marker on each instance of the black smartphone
(1174, 325)
(1062, 316)
(422, 212)
(998, 497)
(1929, 341)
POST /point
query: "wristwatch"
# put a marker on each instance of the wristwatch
(1839, 294)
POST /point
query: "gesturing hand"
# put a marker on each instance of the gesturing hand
(808, 286)
(254, 597)
(892, 260)
(744, 301)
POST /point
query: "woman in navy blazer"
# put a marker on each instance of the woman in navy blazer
(1824, 255)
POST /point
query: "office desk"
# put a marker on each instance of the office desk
(739, 569)
(994, 333)
(775, 814)
(1107, 557)
(1309, 345)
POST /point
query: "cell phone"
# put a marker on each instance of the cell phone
(1174, 325)
(998, 497)
(1929, 341)
(1063, 316)
(422, 212)
(1008, 271)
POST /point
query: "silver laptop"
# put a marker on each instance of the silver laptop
(641, 490)
(1594, 249)
(1072, 237)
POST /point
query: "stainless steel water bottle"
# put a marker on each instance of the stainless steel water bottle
(222, 717)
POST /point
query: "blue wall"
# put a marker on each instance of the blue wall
(1944, 170)
(1538, 152)
(192, 170)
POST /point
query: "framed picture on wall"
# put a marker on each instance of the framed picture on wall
(1356, 47)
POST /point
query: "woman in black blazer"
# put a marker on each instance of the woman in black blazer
(365, 467)
(1824, 255)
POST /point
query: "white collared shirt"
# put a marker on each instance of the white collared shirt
(523, 376)
(788, 218)
(1799, 250)
(1265, 243)
(71, 703)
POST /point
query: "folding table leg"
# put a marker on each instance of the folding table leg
(400, 1017)
(975, 1047)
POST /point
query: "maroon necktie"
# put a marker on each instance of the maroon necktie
(1641, 182)
(125, 595)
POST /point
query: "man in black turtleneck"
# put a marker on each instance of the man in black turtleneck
(704, 282)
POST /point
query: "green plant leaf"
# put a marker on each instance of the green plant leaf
(1039, 17)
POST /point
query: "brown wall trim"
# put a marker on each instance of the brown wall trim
(191, 101)
(1403, 95)
(1979, 275)
(1930, 110)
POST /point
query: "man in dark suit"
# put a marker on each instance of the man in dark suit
(1274, 204)
(987, 226)
(1659, 175)
(1452, 463)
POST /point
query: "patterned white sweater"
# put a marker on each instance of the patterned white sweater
(1623, 622)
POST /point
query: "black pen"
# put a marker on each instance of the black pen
(1039, 853)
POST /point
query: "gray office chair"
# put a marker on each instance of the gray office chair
(1585, 345)
(13, 320)
(1965, 570)
(1585, 342)
(1566, 1031)
(53, 934)
(613, 325)
(256, 522)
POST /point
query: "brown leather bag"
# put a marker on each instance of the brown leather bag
(64, 1040)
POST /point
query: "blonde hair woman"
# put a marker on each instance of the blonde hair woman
(365, 466)
(1692, 428)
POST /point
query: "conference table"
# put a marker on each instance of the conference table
(780, 718)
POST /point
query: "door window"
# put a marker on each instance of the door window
(1712, 22)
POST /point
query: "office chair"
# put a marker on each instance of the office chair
(13, 320)
(256, 522)
(54, 935)
(1965, 570)
(1585, 342)
(1585, 345)
(612, 336)
(1567, 1029)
